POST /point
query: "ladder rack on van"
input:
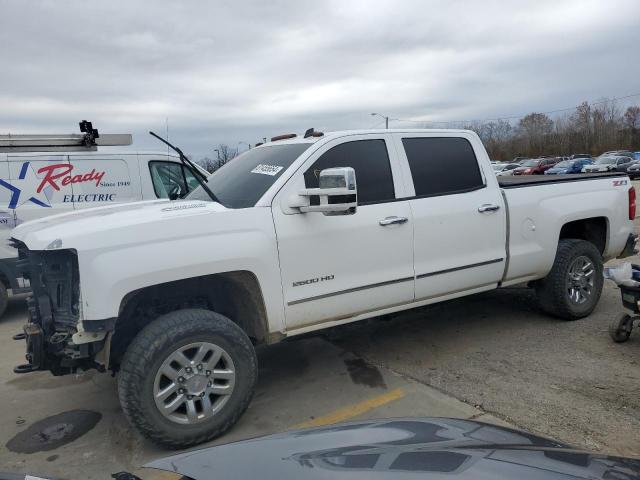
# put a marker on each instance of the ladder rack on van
(89, 140)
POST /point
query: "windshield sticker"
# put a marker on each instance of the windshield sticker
(267, 169)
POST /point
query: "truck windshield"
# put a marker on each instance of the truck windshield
(241, 182)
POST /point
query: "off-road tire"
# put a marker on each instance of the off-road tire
(4, 299)
(148, 350)
(552, 290)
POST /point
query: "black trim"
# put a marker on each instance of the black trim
(464, 267)
(350, 290)
(106, 325)
(521, 181)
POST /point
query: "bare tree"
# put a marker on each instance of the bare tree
(632, 117)
(208, 164)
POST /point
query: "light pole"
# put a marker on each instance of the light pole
(386, 119)
(245, 143)
(217, 152)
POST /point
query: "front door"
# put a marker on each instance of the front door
(338, 266)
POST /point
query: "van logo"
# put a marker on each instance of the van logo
(30, 187)
(313, 280)
(63, 171)
(23, 189)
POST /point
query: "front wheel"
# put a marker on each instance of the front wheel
(572, 288)
(187, 377)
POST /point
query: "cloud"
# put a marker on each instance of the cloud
(239, 71)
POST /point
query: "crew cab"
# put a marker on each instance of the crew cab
(294, 236)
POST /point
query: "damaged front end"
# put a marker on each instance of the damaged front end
(54, 313)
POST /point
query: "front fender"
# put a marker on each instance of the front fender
(238, 240)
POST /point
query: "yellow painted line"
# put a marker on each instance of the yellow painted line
(354, 410)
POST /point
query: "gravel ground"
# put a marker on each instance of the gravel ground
(566, 380)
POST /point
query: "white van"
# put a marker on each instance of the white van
(35, 185)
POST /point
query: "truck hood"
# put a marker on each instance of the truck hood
(59, 231)
(423, 448)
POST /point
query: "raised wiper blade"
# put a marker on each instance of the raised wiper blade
(186, 162)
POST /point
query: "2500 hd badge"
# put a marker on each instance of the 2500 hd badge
(313, 280)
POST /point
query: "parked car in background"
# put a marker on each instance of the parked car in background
(535, 166)
(503, 169)
(569, 166)
(617, 153)
(580, 155)
(609, 163)
(636, 155)
(519, 159)
(634, 170)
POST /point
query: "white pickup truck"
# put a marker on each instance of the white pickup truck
(293, 236)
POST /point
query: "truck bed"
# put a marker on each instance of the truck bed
(518, 181)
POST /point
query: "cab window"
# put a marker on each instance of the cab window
(369, 159)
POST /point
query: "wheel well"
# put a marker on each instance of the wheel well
(593, 230)
(236, 295)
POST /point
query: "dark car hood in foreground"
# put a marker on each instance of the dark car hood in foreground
(398, 449)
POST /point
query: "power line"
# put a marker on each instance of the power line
(512, 117)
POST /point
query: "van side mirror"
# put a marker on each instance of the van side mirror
(337, 193)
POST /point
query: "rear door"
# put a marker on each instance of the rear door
(37, 186)
(459, 219)
(98, 180)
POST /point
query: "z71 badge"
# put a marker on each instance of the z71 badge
(620, 183)
(313, 280)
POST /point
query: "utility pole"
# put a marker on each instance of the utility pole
(217, 153)
(386, 119)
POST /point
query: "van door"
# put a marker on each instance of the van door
(38, 187)
(99, 180)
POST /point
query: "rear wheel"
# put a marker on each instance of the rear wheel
(187, 377)
(572, 288)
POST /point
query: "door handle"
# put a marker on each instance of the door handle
(393, 220)
(487, 207)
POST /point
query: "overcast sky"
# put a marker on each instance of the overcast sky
(230, 71)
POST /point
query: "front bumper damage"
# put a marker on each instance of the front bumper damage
(54, 313)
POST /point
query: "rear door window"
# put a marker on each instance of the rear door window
(442, 165)
(369, 159)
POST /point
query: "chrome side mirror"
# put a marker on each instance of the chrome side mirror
(337, 193)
